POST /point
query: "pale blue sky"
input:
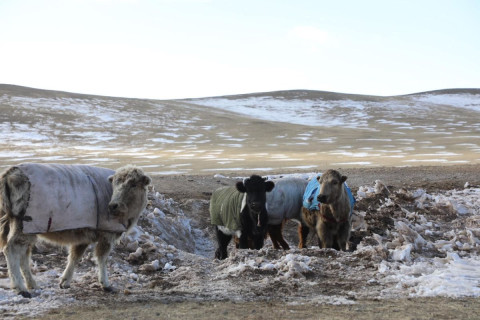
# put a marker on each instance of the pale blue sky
(185, 48)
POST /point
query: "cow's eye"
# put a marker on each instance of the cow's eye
(334, 182)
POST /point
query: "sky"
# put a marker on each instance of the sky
(171, 49)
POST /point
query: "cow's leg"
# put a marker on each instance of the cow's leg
(243, 242)
(222, 240)
(102, 250)
(16, 246)
(273, 236)
(25, 267)
(283, 243)
(324, 235)
(275, 232)
(74, 256)
(247, 227)
(320, 243)
(303, 231)
(13, 252)
(343, 236)
(336, 243)
(258, 241)
(236, 240)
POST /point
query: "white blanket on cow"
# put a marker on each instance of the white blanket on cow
(65, 197)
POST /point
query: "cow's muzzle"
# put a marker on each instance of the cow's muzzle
(322, 198)
(117, 209)
(256, 207)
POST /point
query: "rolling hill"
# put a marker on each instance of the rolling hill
(271, 131)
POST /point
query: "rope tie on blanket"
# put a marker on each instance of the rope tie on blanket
(96, 198)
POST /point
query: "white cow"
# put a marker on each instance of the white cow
(72, 205)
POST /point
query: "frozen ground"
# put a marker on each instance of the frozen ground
(405, 243)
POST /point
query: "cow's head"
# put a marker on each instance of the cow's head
(129, 196)
(255, 189)
(331, 186)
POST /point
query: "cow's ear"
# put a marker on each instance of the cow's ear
(269, 185)
(145, 180)
(241, 187)
(319, 179)
(110, 179)
(344, 178)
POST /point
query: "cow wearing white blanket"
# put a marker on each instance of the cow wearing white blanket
(73, 205)
(284, 202)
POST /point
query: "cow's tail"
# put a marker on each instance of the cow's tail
(5, 210)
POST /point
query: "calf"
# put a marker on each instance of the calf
(72, 205)
(331, 217)
(240, 211)
(285, 203)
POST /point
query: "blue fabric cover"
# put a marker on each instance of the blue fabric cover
(311, 192)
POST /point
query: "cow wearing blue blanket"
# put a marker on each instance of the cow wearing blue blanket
(327, 208)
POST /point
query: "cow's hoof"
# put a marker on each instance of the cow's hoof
(64, 284)
(220, 255)
(25, 294)
(110, 289)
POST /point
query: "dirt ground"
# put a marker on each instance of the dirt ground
(420, 308)
(181, 187)
(164, 303)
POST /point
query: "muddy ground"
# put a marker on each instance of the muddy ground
(204, 288)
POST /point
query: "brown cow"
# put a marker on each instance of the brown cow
(99, 205)
(332, 218)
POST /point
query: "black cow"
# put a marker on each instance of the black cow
(240, 211)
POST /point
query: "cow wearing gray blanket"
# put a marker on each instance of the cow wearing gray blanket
(72, 205)
(284, 202)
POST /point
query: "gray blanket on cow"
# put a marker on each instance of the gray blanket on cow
(65, 197)
(225, 207)
(285, 200)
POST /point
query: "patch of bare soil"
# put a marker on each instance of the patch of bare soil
(181, 187)
(420, 308)
(205, 288)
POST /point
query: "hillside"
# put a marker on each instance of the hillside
(287, 130)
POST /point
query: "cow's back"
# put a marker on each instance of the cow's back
(65, 197)
(225, 207)
(285, 200)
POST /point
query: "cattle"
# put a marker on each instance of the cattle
(331, 215)
(240, 211)
(284, 202)
(70, 205)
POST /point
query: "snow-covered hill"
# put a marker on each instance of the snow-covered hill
(282, 130)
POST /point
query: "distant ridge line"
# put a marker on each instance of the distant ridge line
(339, 95)
(294, 93)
